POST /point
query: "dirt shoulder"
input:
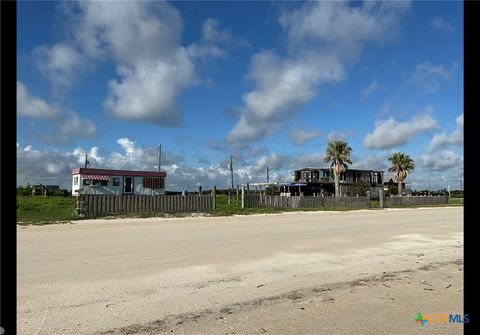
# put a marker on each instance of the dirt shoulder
(283, 274)
(369, 305)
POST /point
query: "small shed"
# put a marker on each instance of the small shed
(117, 182)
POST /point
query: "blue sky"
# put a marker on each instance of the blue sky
(269, 82)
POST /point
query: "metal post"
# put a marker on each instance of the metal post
(243, 196)
(214, 197)
(381, 197)
(237, 196)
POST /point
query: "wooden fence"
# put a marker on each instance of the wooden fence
(415, 201)
(97, 205)
(281, 202)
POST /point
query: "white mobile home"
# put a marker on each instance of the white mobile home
(116, 182)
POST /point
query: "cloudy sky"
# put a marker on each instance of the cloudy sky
(268, 82)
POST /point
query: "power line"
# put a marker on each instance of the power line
(178, 157)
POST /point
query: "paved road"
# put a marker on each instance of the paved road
(140, 275)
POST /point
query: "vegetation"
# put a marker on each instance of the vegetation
(360, 188)
(272, 189)
(456, 201)
(392, 190)
(38, 209)
(400, 165)
(24, 190)
(338, 152)
(27, 191)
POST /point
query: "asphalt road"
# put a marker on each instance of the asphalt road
(239, 275)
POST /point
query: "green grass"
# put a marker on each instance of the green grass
(40, 210)
(456, 201)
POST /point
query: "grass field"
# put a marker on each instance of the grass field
(41, 210)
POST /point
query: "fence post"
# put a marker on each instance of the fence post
(229, 196)
(243, 196)
(381, 197)
(214, 196)
(237, 195)
(368, 199)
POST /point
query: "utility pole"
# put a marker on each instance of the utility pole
(86, 161)
(428, 186)
(159, 156)
(231, 169)
(267, 174)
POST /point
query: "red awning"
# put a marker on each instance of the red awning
(96, 177)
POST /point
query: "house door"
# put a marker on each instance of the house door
(128, 185)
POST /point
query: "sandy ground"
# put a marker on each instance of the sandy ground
(358, 272)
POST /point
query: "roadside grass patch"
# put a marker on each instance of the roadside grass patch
(41, 210)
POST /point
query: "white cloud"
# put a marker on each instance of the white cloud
(32, 106)
(300, 136)
(430, 77)
(212, 36)
(130, 31)
(324, 38)
(47, 167)
(368, 91)
(147, 91)
(67, 128)
(143, 40)
(67, 125)
(60, 64)
(370, 162)
(454, 138)
(390, 133)
(440, 24)
(440, 162)
(338, 135)
(309, 160)
(273, 161)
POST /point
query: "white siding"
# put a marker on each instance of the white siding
(114, 190)
(78, 186)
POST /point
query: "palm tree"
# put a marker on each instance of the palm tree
(401, 165)
(338, 152)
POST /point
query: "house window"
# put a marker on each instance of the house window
(75, 180)
(149, 182)
(95, 182)
(116, 181)
(100, 182)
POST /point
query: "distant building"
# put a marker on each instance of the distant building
(117, 182)
(44, 189)
(320, 181)
(389, 181)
